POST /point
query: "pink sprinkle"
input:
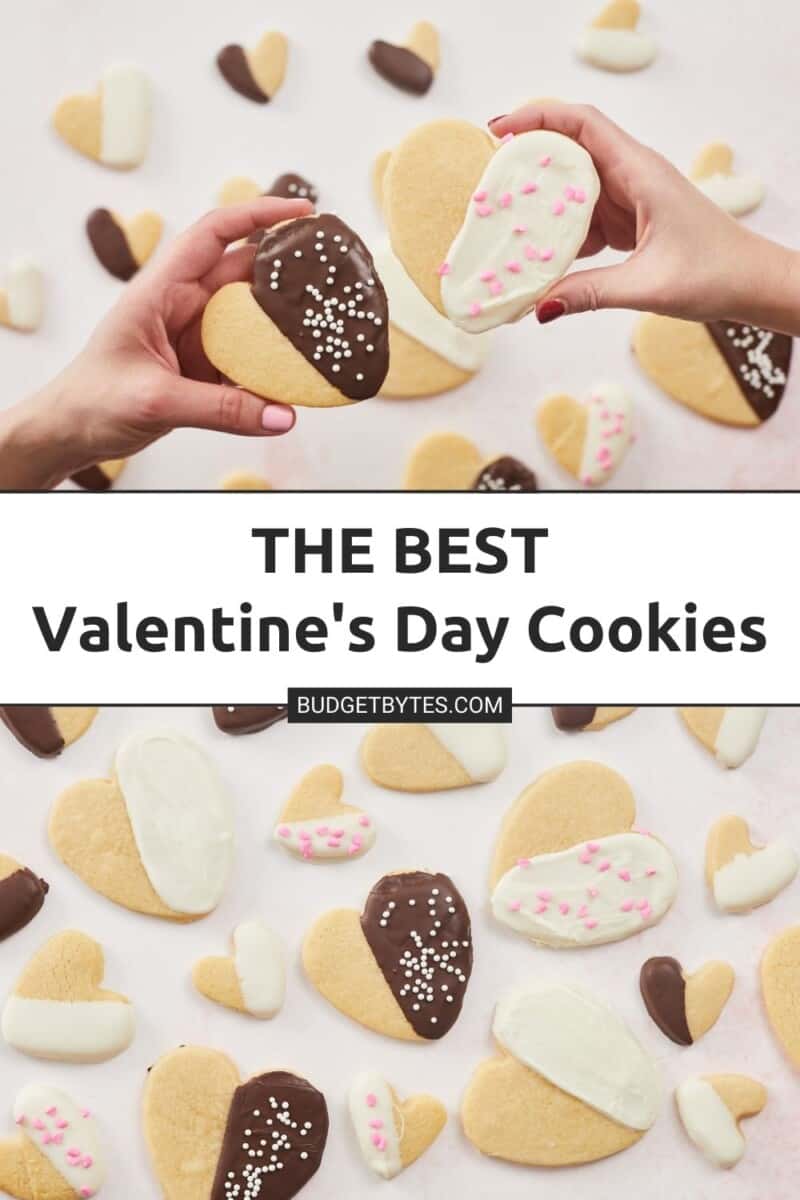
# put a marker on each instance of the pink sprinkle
(541, 907)
(626, 905)
(480, 196)
(39, 1123)
(73, 1152)
(592, 893)
(604, 865)
(285, 831)
(593, 847)
(57, 1139)
(547, 254)
(334, 843)
(306, 849)
(514, 906)
(354, 847)
(322, 830)
(625, 875)
(338, 833)
(646, 913)
(485, 210)
(505, 200)
(51, 1112)
(545, 894)
(496, 288)
(372, 1099)
(545, 160)
(508, 137)
(379, 1141)
(364, 821)
(21, 1120)
(563, 908)
(475, 309)
(558, 208)
(578, 195)
(650, 872)
(514, 267)
(376, 1123)
(585, 857)
(530, 252)
(583, 911)
(590, 924)
(444, 269)
(587, 479)
(487, 276)
(529, 188)
(304, 835)
(47, 1138)
(642, 905)
(569, 192)
(523, 862)
(643, 832)
(520, 229)
(603, 454)
(85, 1112)
(604, 414)
(86, 1193)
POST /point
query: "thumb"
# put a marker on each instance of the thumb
(585, 291)
(223, 407)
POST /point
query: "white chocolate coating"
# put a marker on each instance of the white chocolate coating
(737, 194)
(68, 1030)
(709, 1122)
(617, 49)
(749, 880)
(260, 961)
(372, 1111)
(125, 131)
(479, 749)
(25, 295)
(343, 835)
(738, 734)
(65, 1134)
(609, 433)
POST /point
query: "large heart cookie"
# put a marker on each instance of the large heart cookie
(712, 171)
(314, 824)
(392, 1133)
(780, 986)
(112, 125)
(571, 1084)
(56, 1155)
(432, 758)
(157, 837)
(46, 731)
(613, 42)
(711, 1107)
(449, 462)
(58, 1010)
(741, 875)
(123, 246)
(570, 869)
(312, 328)
(205, 1129)
(22, 895)
(402, 966)
(574, 717)
(730, 734)
(413, 66)
(685, 1006)
(589, 440)
(22, 298)
(256, 74)
(731, 373)
(253, 979)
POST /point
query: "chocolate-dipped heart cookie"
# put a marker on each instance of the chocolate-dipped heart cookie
(255, 74)
(238, 719)
(684, 1007)
(46, 731)
(411, 67)
(22, 895)
(123, 246)
(572, 718)
(100, 477)
(450, 462)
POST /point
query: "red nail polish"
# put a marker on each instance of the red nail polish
(493, 120)
(550, 310)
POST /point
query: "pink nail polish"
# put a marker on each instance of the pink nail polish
(277, 418)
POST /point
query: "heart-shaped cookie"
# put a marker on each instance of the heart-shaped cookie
(572, 718)
(46, 731)
(571, 1084)
(123, 246)
(402, 966)
(449, 462)
(613, 42)
(712, 171)
(684, 1007)
(392, 1133)
(22, 298)
(290, 186)
(256, 74)
(711, 1107)
(253, 979)
(56, 1155)
(204, 1128)
(730, 734)
(743, 876)
(157, 838)
(589, 440)
(413, 66)
(314, 824)
(58, 1010)
(22, 895)
(100, 477)
(238, 719)
(571, 869)
(780, 987)
(244, 481)
(432, 758)
(111, 125)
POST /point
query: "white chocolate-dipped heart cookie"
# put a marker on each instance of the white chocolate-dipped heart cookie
(111, 125)
(730, 734)
(712, 172)
(570, 869)
(613, 42)
(780, 987)
(741, 875)
(22, 297)
(711, 1107)
(392, 1133)
(571, 1084)
(59, 1011)
(156, 838)
(316, 826)
(253, 979)
(256, 74)
(685, 1005)
(574, 718)
(413, 66)
(123, 246)
(56, 1154)
(432, 758)
(449, 462)
(589, 440)
(46, 731)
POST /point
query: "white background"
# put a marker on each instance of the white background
(680, 791)
(725, 70)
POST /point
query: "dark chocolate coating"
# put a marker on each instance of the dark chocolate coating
(759, 361)
(92, 479)
(285, 1121)
(506, 474)
(418, 923)
(34, 727)
(110, 245)
(664, 993)
(233, 64)
(570, 717)
(291, 186)
(401, 66)
(21, 896)
(247, 718)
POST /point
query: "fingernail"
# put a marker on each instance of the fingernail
(492, 120)
(550, 310)
(277, 418)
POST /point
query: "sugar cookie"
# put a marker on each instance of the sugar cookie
(245, 481)
(571, 869)
(289, 186)
(411, 67)
(316, 826)
(57, 1154)
(392, 1134)
(731, 373)
(451, 463)
(58, 1010)
(685, 1007)
(279, 336)
(237, 719)
(100, 477)
(112, 124)
(589, 440)
(200, 1120)
(570, 1085)
(505, 474)
(156, 838)
(22, 298)
(22, 895)
(121, 246)
(613, 42)
(731, 734)
(712, 172)
(402, 966)
(377, 175)
(711, 1107)
(780, 987)
(433, 758)
(46, 731)
(743, 876)
(574, 717)
(256, 74)
(253, 979)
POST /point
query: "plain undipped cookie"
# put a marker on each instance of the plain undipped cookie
(432, 758)
(780, 987)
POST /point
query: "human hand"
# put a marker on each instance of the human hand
(143, 372)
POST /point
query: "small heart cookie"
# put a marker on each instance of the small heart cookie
(743, 876)
(411, 67)
(289, 186)
(571, 1084)
(780, 987)
(238, 719)
(112, 125)
(589, 440)
(22, 298)
(402, 966)
(244, 481)
(58, 1010)
(712, 172)
(574, 717)
(613, 42)
(571, 869)
(433, 758)
(121, 246)
(711, 1107)
(451, 463)
(157, 837)
(200, 1122)
(46, 731)
(316, 826)
(730, 734)
(253, 979)
(392, 1134)
(256, 74)
(22, 895)
(57, 1154)
(100, 477)
(684, 1007)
